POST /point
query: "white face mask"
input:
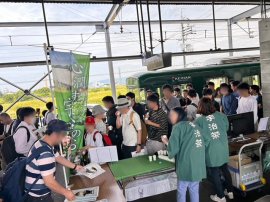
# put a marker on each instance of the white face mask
(34, 120)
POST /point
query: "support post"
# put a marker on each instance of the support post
(110, 63)
(214, 24)
(264, 33)
(230, 40)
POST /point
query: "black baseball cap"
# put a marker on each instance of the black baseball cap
(57, 126)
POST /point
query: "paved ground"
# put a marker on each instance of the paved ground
(206, 190)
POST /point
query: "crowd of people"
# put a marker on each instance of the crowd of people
(192, 128)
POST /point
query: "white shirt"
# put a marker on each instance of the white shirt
(197, 99)
(248, 104)
(192, 110)
(49, 116)
(89, 139)
(20, 139)
(130, 134)
(101, 127)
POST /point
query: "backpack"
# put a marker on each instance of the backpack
(144, 128)
(8, 133)
(8, 150)
(105, 139)
(194, 105)
(13, 182)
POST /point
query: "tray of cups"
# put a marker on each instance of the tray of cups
(163, 154)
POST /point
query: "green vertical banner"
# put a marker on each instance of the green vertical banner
(71, 78)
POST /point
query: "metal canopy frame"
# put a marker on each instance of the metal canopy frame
(177, 2)
(25, 91)
(110, 20)
(115, 10)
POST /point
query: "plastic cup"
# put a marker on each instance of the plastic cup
(110, 127)
(150, 158)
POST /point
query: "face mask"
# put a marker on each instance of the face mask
(34, 120)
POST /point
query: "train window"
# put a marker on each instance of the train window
(218, 80)
(252, 80)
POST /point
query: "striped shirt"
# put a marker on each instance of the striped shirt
(161, 118)
(40, 167)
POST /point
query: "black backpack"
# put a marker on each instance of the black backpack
(13, 183)
(8, 150)
(8, 133)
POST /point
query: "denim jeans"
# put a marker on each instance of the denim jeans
(193, 188)
(215, 176)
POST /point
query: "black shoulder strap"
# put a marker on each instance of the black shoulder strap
(94, 136)
(193, 104)
(27, 130)
(10, 128)
(36, 153)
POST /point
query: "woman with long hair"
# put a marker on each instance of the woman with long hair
(186, 145)
(214, 127)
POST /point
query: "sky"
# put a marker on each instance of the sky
(26, 44)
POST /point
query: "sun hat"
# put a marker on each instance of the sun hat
(122, 103)
(97, 110)
(90, 120)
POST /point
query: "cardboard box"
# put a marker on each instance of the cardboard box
(234, 161)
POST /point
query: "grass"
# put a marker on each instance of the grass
(95, 97)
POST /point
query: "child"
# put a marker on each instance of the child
(187, 146)
(93, 138)
(99, 113)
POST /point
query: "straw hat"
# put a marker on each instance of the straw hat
(122, 103)
(97, 110)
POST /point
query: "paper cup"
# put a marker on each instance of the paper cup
(150, 158)
(154, 157)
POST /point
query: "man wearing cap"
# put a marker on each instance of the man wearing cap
(130, 122)
(44, 166)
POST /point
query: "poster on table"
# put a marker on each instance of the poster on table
(71, 78)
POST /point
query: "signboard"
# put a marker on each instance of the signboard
(71, 79)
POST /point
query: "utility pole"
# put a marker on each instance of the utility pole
(183, 40)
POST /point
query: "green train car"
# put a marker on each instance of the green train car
(245, 72)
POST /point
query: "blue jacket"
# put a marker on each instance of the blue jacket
(229, 104)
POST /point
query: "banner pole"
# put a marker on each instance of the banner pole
(52, 94)
(49, 72)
